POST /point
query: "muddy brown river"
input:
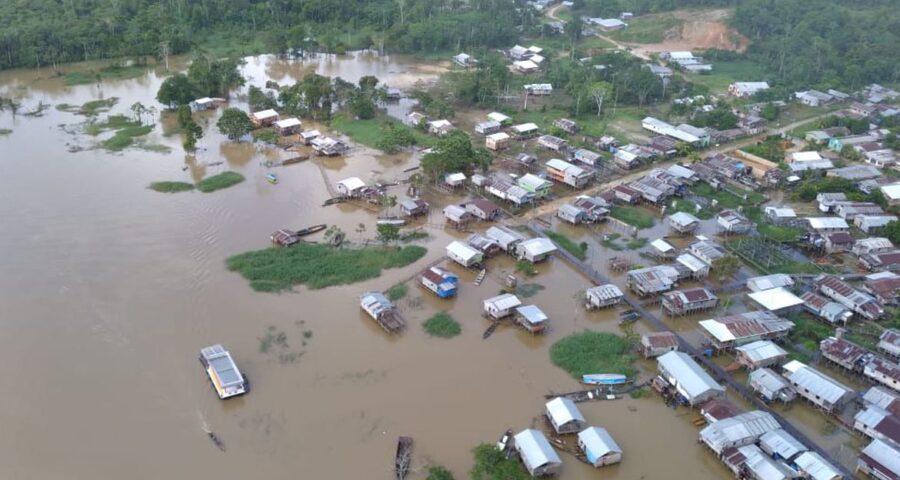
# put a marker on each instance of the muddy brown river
(108, 290)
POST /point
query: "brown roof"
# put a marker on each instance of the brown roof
(661, 339)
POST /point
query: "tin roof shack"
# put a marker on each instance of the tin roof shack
(413, 207)
(564, 416)
(878, 262)
(440, 127)
(264, 118)
(457, 215)
(531, 318)
(506, 237)
(688, 378)
(761, 353)
(767, 282)
(877, 423)
(223, 372)
(483, 244)
(655, 344)
(737, 431)
(536, 453)
(880, 460)
(731, 221)
(603, 296)
(534, 184)
(882, 398)
(496, 141)
(599, 447)
(572, 214)
(596, 209)
(683, 222)
(841, 292)
(483, 209)
(818, 388)
(535, 249)
(566, 125)
(884, 372)
(464, 255)
(743, 328)
(553, 143)
(571, 175)
(441, 282)
(652, 280)
(889, 343)
(501, 306)
(382, 311)
(586, 157)
(777, 300)
(288, 126)
(686, 302)
(771, 386)
(832, 312)
(845, 354)
(351, 187)
(488, 127)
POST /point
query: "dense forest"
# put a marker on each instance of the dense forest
(46, 32)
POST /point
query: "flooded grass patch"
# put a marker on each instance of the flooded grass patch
(577, 249)
(593, 352)
(317, 266)
(442, 325)
(220, 181)
(633, 216)
(171, 187)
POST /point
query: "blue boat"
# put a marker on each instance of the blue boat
(603, 379)
(272, 178)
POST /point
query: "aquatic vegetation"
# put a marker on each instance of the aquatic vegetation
(219, 181)
(442, 325)
(317, 266)
(171, 187)
(593, 352)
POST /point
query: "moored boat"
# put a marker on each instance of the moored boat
(603, 379)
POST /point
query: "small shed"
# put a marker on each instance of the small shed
(264, 118)
(603, 296)
(536, 453)
(496, 141)
(655, 344)
(599, 447)
(531, 318)
(413, 207)
(464, 255)
(501, 306)
(535, 249)
(570, 213)
(483, 209)
(288, 126)
(564, 416)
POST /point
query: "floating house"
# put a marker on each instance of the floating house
(535, 250)
(732, 331)
(501, 306)
(441, 282)
(413, 207)
(761, 353)
(565, 172)
(599, 447)
(483, 209)
(571, 214)
(536, 453)
(652, 280)
(507, 238)
(820, 389)
(223, 372)
(603, 296)
(771, 386)
(264, 118)
(564, 416)
(464, 255)
(497, 141)
(737, 431)
(531, 318)
(288, 126)
(683, 222)
(685, 302)
(351, 187)
(382, 311)
(655, 344)
(688, 378)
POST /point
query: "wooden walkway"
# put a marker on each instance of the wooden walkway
(718, 373)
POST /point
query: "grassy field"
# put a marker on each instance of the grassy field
(442, 325)
(649, 29)
(577, 249)
(112, 72)
(171, 187)
(220, 181)
(725, 73)
(593, 352)
(633, 216)
(317, 266)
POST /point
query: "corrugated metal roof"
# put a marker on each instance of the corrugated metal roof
(689, 376)
(535, 449)
(563, 411)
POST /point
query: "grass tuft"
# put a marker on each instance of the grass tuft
(442, 325)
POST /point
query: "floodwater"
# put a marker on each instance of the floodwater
(108, 290)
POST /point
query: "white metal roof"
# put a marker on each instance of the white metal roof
(598, 441)
(728, 431)
(690, 377)
(761, 350)
(504, 301)
(775, 299)
(538, 246)
(563, 411)
(767, 282)
(462, 251)
(265, 114)
(532, 314)
(815, 382)
(352, 183)
(288, 123)
(535, 449)
(817, 467)
(662, 245)
(781, 442)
